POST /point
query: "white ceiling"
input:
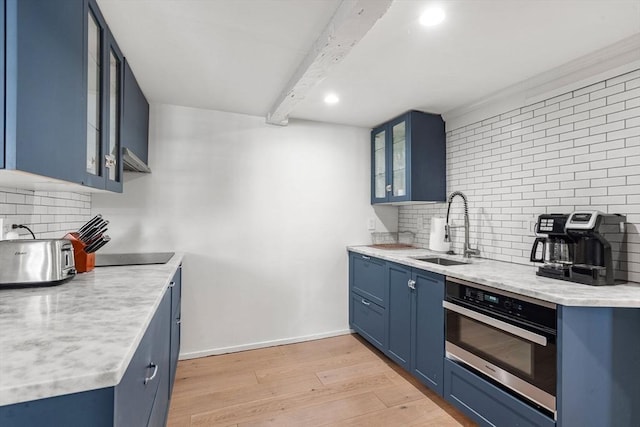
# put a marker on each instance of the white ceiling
(238, 55)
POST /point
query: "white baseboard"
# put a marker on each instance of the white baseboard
(263, 344)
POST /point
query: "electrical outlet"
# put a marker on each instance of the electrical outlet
(371, 224)
(530, 225)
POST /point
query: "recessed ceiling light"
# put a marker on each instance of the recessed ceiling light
(432, 16)
(331, 99)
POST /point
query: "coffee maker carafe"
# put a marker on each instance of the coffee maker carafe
(556, 250)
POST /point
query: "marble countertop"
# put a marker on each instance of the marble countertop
(516, 278)
(77, 336)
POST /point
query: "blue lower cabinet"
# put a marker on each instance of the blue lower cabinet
(487, 404)
(428, 329)
(400, 308)
(140, 399)
(90, 408)
(369, 320)
(598, 366)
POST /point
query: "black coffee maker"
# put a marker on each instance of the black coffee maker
(598, 240)
(583, 247)
(555, 250)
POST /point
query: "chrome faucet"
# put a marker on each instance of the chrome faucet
(468, 251)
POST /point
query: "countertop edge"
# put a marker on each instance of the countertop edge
(624, 295)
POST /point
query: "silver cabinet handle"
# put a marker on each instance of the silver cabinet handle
(178, 321)
(498, 324)
(155, 372)
(366, 257)
(367, 303)
(411, 284)
(172, 284)
(388, 187)
(109, 161)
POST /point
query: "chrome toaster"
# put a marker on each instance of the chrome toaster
(38, 262)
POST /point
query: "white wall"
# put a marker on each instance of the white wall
(263, 213)
(576, 151)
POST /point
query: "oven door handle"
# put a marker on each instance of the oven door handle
(499, 324)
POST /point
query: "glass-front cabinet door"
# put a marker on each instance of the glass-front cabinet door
(389, 163)
(115, 101)
(399, 162)
(379, 165)
(94, 94)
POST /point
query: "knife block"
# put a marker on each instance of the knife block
(84, 262)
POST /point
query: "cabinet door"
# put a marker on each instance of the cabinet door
(399, 312)
(114, 95)
(44, 93)
(380, 188)
(96, 95)
(135, 122)
(398, 153)
(428, 357)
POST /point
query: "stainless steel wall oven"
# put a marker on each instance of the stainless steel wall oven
(507, 337)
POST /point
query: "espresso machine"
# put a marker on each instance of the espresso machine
(556, 250)
(598, 239)
(583, 247)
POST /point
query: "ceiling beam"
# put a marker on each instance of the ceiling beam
(348, 25)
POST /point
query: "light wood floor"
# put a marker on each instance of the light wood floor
(340, 381)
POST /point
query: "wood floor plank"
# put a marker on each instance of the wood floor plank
(339, 381)
(413, 413)
(266, 408)
(351, 371)
(332, 411)
(324, 364)
(398, 394)
(183, 405)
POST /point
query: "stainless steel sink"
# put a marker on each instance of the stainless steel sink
(441, 261)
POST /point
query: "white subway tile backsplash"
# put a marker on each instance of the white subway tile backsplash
(48, 214)
(578, 150)
(607, 91)
(623, 96)
(590, 105)
(576, 100)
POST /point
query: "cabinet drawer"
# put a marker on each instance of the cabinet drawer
(369, 320)
(368, 278)
(485, 403)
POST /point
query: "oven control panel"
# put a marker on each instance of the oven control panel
(495, 302)
(478, 296)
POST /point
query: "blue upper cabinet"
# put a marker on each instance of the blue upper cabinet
(45, 94)
(408, 159)
(64, 94)
(135, 127)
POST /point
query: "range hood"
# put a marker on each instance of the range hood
(132, 163)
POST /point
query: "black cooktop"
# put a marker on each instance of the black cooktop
(109, 260)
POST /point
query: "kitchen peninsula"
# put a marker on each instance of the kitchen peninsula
(74, 345)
